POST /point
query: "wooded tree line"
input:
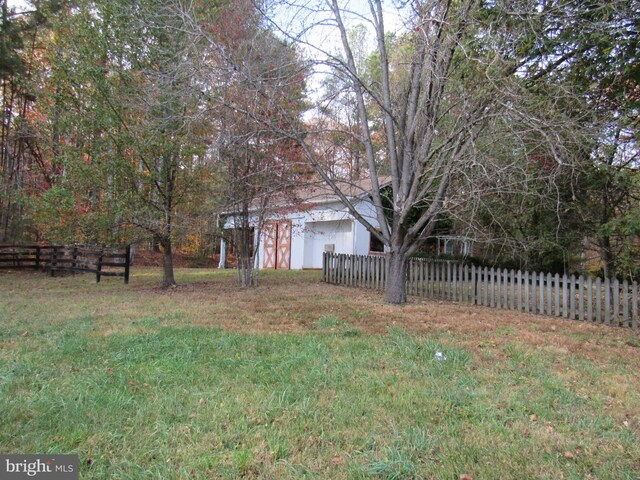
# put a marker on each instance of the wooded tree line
(115, 127)
(515, 123)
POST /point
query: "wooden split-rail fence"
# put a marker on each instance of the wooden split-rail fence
(102, 261)
(605, 301)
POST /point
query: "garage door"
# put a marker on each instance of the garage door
(277, 245)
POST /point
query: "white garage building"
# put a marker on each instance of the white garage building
(296, 233)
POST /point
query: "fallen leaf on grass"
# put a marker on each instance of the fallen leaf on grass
(25, 333)
(464, 476)
(568, 455)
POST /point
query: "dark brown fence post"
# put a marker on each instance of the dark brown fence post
(127, 261)
(99, 266)
(54, 257)
(37, 257)
(74, 257)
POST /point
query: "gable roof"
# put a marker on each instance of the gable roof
(320, 192)
(315, 192)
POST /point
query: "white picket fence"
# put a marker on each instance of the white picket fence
(578, 298)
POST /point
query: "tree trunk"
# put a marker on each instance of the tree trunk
(396, 288)
(606, 252)
(155, 244)
(167, 257)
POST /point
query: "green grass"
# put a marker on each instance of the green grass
(131, 380)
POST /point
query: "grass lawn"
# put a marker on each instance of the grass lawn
(297, 379)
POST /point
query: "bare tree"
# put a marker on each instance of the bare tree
(427, 101)
(436, 88)
(256, 75)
